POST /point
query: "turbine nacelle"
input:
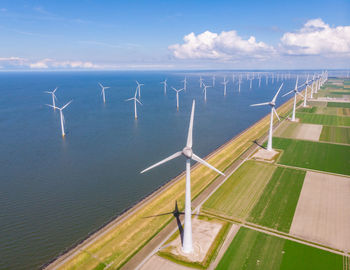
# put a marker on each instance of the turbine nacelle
(187, 152)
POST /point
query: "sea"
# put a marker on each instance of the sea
(54, 191)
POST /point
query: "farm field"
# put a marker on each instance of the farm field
(238, 195)
(276, 206)
(251, 250)
(327, 110)
(339, 104)
(299, 131)
(314, 155)
(323, 211)
(335, 134)
(323, 119)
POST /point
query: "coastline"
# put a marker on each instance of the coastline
(113, 223)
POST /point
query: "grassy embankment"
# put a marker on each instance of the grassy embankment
(251, 250)
(130, 235)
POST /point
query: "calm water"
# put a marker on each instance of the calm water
(54, 191)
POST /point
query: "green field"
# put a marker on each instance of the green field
(335, 134)
(251, 250)
(308, 110)
(238, 195)
(277, 204)
(314, 155)
(323, 119)
(338, 104)
(341, 92)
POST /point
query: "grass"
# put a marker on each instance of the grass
(122, 241)
(335, 134)
(338, 104)
(307, 110)
(251, 250)
(276, 206)
(314, 155)
(341, 93)
(238, 195)
(323, 119)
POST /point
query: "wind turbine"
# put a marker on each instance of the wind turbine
(259, 80)
(188, 154)
(272, 103)
(205, 91)
(52, 93)
(305, 95)
(103, 92)
(239, 83)
(224, 83)
(250, 85)
(200, 81)
(313, 86)
(61, 115)
(185, 84)
(165, 84)
(135, 101)
(296, 92)
(139, 88)
(177, 96)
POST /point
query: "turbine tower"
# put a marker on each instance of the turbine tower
(139, 88)
(185, 84)
(177, 96)
(52, 93)
(296, 92)
(313, 86)
(61, 116)
(225, 84)
(135, 101)
(103, 92)
(205, 91)
(200, 81)
(188, 154)
(165, 85)
(305, 95)
(272, 103)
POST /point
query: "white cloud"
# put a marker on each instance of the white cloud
(51, 63)
(317, 38)
(224, 46)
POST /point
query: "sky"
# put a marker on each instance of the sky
(156, 35)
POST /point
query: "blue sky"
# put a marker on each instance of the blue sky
(137, 34)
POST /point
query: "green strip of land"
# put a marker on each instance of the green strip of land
(314, 155)
(339, 104)
(335, 134)
(277, 204)
(323, 119)
(251, 250)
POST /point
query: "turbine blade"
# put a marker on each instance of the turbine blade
(296, 83)
(139, 101)
(177, 154)
(100, 85)
(274, 110)
(130, 99)
(198, 159)
(190, 128)
(55, 90)
(275, 97)
(52, 106)
(66, 105)
(260, 104)
(286, 94)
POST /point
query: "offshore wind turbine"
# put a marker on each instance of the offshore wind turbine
(200, 81)
(52, 93)
(139, 88)
(224, 83)
(177, 96)
(135, 101)
(296, 92)
(259, 79)
(205, 91)
(272, 104)
(61, 115)
(185, 83)
(239, 83)
(187, 152)
(103, 92)
(165, 85)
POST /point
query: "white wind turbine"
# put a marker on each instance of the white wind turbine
(200, 81)
(225, 84)
(296, 92)
(165, 85)
(239, 83)
(259, 79)
(272, 103)
(305, 94)
(52, 93)
(205, 91)
(139, 88)
(185, 84)
(103, 92)
(312, 87)
(177, 96)
(61, 115)
(135, 101)
(188, 154)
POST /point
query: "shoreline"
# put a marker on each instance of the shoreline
(67, 254)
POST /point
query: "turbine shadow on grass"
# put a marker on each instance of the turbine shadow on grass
(258, 144)
(176, 213)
